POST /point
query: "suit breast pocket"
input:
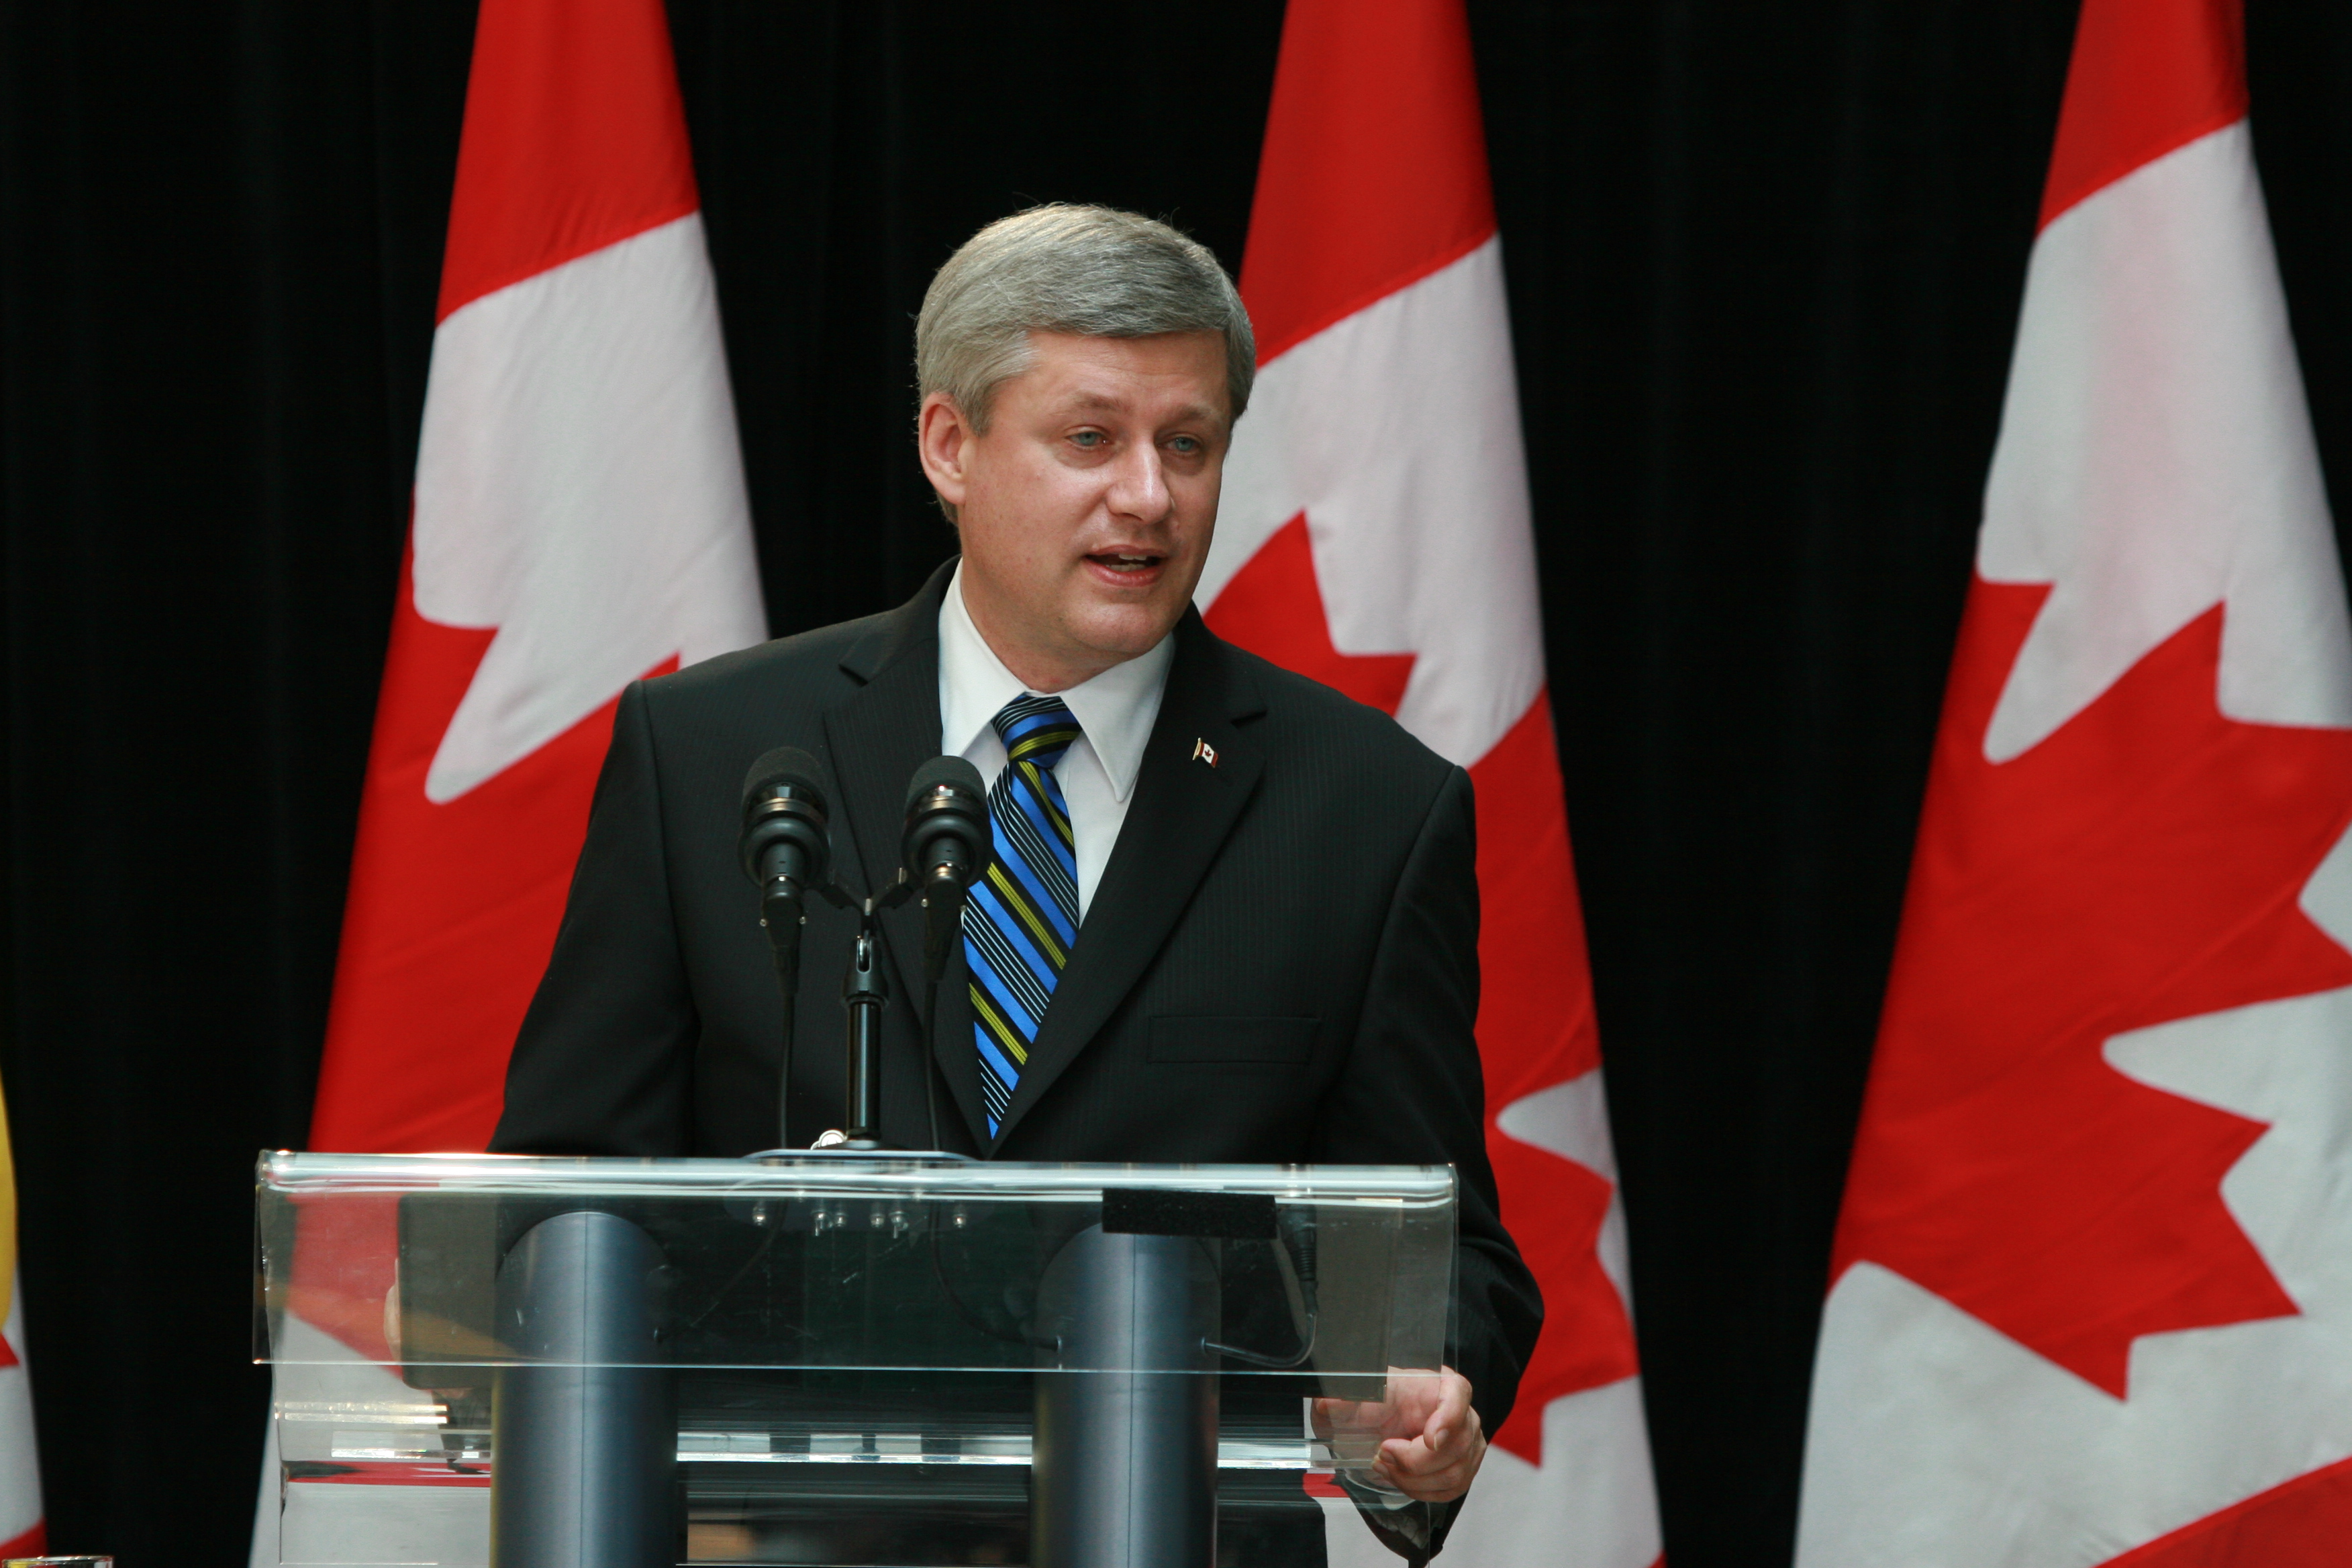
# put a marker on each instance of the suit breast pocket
(1232, 1042)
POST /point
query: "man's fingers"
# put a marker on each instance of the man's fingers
(1453, 1402)
(1437, 1455)
(1439, 1463)
(1441, 1444)
(1422, 1467)
(1443, 1483)
(1419, 1456)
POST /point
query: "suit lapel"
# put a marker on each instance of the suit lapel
(878, 736)
(1184, 807)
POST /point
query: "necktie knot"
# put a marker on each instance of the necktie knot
(1037, 730)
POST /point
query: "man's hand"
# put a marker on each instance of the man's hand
(1431, 1445)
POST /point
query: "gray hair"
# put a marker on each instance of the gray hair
(1091, 270)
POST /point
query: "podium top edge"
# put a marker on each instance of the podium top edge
(294, 1173)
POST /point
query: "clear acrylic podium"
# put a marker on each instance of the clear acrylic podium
(526, 1362)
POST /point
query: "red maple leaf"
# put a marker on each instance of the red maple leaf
(2142, 864)
(1274, 608)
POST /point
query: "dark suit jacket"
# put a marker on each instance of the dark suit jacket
(1279, 965)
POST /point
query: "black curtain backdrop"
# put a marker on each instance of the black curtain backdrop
(1765, 261)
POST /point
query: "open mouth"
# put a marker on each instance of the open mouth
(1120, 566)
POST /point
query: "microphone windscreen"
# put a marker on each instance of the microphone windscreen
(786, 765)
(953, 772)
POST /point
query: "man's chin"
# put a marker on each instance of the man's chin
(1127, 633)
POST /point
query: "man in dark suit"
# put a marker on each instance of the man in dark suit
(1234, 914)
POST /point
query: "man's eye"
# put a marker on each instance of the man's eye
(1090, 440)
(1188, 445)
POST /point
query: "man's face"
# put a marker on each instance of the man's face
(1085, 510)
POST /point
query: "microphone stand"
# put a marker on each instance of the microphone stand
(865, 996)
(931, 1055)
(942, 898)
(865, 993)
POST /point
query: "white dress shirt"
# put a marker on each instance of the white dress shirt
(1116, 711)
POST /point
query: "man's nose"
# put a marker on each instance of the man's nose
(1139, 485)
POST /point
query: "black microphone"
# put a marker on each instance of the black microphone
(786, 850)
(785, 847)
(947, 846)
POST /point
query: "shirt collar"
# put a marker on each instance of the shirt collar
(1116, 708)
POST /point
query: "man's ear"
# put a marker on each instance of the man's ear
(943, 440)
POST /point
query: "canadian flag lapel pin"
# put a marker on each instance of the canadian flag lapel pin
(1204, 752)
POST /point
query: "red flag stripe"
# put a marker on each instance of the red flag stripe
(2148, 77)
(1373, 133)
(574, 139)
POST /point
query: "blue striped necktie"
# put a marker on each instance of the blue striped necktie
(1022, 916)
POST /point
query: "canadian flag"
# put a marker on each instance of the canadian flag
(2093, 1286)
(1374, 535)
(22, 1533)
(580, 522)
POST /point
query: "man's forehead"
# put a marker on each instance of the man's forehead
(1169, 377)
